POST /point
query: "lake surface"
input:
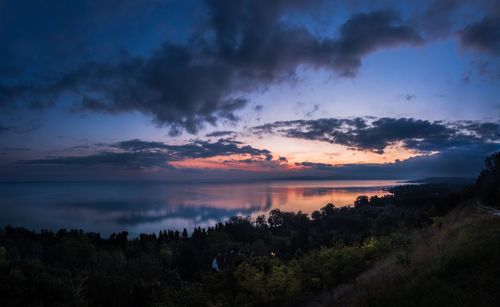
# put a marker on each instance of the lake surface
(148, 207)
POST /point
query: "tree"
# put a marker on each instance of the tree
(282, 284)
(252, 282)
(488, 181)
(275, 218)
(361, 201)
(328, 210)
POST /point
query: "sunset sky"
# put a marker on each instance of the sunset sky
(237, 89)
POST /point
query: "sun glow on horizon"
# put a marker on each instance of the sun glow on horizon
(293, 152)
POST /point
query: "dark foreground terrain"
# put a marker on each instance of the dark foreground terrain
(421, 245)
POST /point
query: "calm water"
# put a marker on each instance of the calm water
(150, 207)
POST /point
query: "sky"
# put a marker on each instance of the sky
(236, 90)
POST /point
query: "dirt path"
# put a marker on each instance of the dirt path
(489, 210)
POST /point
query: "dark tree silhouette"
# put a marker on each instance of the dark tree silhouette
(488, 181)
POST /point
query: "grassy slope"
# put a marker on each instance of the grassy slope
(455, 262)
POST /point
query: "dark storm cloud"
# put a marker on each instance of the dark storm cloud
(223, 147)
(377, 134)
(193, 150)
(137, 145)
(490, 131)
(127, 160)
(51, 35)
(437, 19)
(246, 46)
(138, 154)
(363, 33)
(483, 35)
(220, 133)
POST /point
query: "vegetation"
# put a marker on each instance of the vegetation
(488, 181)
(455, 264)
(284, 259)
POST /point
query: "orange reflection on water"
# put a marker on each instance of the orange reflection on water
(259, 198)
(146, 207)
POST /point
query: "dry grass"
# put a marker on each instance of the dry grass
(450, 264)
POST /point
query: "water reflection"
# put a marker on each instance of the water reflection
(150, 207)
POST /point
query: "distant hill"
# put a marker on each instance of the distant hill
(447, 180)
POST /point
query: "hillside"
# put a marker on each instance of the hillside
(453, 262)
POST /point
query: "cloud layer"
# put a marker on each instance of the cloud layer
(483, 35)
(137, 154)
(443, 149)
(377, 134)
(451, 162)
(246, 47)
